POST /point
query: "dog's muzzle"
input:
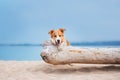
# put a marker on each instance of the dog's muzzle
(58, 42)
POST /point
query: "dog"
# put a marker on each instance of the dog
(58, 37)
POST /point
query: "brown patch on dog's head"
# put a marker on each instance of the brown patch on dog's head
(62, 30)
(51, 31)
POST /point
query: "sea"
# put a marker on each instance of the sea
(31, 52)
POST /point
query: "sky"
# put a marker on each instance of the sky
(29, 21)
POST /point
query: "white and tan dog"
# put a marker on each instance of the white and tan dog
(58, 37)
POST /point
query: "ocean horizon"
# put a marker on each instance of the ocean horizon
(94, 43)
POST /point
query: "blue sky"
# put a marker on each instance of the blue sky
(28, 21)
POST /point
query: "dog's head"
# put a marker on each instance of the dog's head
(57, 36)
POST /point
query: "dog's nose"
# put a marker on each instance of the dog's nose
(58, 41)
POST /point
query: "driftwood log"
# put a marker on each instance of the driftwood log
(67, 55)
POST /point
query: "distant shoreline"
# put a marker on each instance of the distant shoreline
(95, 43)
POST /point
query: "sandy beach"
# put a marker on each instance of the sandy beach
(39, 70)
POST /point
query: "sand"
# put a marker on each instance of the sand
(39, 70)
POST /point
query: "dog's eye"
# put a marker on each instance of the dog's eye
(59, 35)
(55, 36)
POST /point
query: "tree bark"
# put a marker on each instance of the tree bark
(67, 55)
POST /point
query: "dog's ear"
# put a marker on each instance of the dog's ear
(51, 31)
(62, 30)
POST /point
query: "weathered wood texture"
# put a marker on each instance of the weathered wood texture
(66, 55)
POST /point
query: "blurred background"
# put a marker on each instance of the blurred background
(24, 24)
